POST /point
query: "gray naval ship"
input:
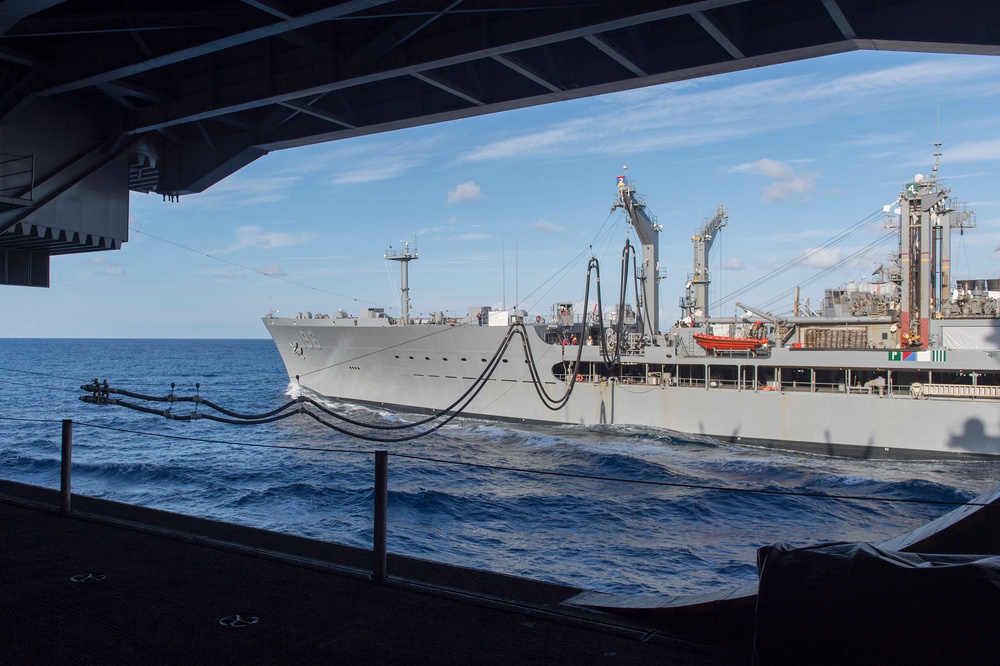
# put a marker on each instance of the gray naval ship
(904, 366)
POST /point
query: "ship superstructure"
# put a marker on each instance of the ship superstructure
(907, 365)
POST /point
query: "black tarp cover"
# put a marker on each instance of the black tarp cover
(852, 603)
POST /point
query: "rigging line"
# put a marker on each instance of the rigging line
(258, 271)
(555, 404)
(193, 416)
(272, 416)
(673, 484)
(476, 386)
(214, 441)
(39, 386)
(808, 254)
(642, 311)
(568, 264)
(835, 267)
(800, 259)
(16, 418)
(417, 435)
(505, 468)
(197, 399)
(830, 269)
(42, 374)
(565, 268)
(99, 396)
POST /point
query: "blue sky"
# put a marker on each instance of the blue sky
(502, 204)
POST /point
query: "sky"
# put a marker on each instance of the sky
(508, 208)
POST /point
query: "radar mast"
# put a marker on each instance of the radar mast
(404, 258)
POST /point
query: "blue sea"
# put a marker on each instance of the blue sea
(665, 513)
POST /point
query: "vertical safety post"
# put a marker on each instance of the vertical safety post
(381, 502)
(67, 460)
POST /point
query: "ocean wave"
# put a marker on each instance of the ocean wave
(688, 524)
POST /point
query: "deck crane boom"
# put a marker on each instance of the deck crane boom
(696, 293)
(648, 230)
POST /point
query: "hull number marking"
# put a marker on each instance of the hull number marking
(309, 340)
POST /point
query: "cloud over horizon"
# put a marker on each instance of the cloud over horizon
(786, 181)
(547, 226)
(670, 117)
(109, 268)
(467, 191)
(254, 237)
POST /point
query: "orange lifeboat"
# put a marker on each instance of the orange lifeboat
(717, 343)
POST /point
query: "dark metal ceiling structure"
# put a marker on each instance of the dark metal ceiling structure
(181, 93)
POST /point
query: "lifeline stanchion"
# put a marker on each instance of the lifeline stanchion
(67, 459)
(381, 502)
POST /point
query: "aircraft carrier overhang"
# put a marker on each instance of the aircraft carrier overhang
(102, 97)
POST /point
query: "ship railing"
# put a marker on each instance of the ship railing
(379, 494)
(747, 384)
(953, 391)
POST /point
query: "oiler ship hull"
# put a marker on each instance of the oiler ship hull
(803, 399)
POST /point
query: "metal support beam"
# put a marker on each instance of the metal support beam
(718, 34)
(612, 52)
(217, 45)
(837, 14)
(381, 514)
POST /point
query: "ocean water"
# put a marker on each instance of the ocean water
(448, 501)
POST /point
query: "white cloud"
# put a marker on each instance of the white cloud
(976, 151)
(384, 167)
(823, 257)
(370, 160)
(110, 268)
(273, 269)
(786, 181)
(471, 237)
(467, 191)
(241, 190)
(254, 237)
(671, 116)
(547, 226)
(734, 264)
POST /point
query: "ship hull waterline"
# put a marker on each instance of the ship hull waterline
(424, 369)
